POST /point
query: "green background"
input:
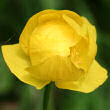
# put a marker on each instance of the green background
(15, 95)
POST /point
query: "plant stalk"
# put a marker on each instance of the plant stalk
(48, 97)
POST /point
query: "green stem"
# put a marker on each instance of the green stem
(47, 96)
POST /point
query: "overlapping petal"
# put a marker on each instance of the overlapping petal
(84, 52)
(31, 25)
(52, 38)
(95, 77)
(56, 68)
(41, 18)
(18, 61)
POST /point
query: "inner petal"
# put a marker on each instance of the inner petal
(56, 68)
(83, 53)
(79, 54)
(52, 38)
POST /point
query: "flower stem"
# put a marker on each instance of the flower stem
(47, 99)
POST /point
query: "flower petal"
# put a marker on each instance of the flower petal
(76, 22)
(41, 17)
(95, 77)
(79, 54)
(52, 38)
(31, 25)
(73, 24)
(56, 68)
(90, 27)
(83, 54)
(18, 61)
(72, 15)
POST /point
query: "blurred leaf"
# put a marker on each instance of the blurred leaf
(29, 8)
(103, 54)
(26, 8)
(3, 4)
(51, 4)
(106, 2)
(82, 8)
(70, 100)
(6, 80)
(25, 101)
(101, 14)
(30, 98)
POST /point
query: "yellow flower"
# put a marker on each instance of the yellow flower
(58, 46)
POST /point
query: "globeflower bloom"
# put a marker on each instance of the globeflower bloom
(57, 46)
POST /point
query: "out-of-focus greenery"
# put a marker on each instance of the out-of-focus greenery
(15, 95)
